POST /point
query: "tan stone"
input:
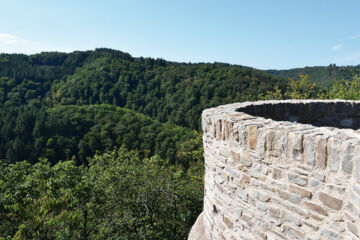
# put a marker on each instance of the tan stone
(235, 156)
(294, 232)
(300, 190)
(252, 137)
(320, 154)
(316, 217)
(274, 212)
(276, 173)
(330, 201)
(352, 227)
(247, 219)
(289, 196)
(228, 222)
(316, 208)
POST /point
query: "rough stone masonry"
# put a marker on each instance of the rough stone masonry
(281, 170)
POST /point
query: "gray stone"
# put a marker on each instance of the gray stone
(347, 164)
(356, 189)
(294, 198)
(355, 198)
(347, 155)
(289, 217)
(338, 189)
(318, 176)
(261, 206)
(357, 164)
(336, 227)
(314, 182)
(330, 235)
(310, 150)
(302, 181)
(335, 155)
(242, 194)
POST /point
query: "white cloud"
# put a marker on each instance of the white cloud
(7, 38)
(336, 47)
(10, 43)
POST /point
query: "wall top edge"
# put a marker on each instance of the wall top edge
(232, 113)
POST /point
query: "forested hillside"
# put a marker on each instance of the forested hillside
(102, 145)
(165, 91)
(66, 132)
(323, 76)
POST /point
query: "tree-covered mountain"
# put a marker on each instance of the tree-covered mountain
(323, 76)
(165, 91)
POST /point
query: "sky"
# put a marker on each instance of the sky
(264, 34)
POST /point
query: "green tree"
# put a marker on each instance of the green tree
(302, 88)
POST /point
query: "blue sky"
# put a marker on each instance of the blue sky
(276, 34)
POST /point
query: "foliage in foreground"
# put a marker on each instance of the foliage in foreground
(117, 196)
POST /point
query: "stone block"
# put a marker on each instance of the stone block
(274, 212)
(313, 182)
(300, 190)
(228, 222)
(309, 149)
(295, 233)
(357, 163)
(295, 147)
(316, 208)
(252, 136)
(243, 195)
(318, 176)
(328, 234)
(347, 153)
(276, 173)
(333, 152)
(353, 228)
(235, 156)
(330, 201)
(297, 179)
(296, 208)
(289, 217)
(289, 196)
(261, 206)
(320, 153)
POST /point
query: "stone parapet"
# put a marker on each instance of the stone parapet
(282, 170)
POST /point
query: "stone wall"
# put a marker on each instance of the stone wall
(275, 179)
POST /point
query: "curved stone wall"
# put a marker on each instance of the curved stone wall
(269, 176)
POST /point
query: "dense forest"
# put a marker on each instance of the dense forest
(323, 76)
(165, 91)
(102, 145)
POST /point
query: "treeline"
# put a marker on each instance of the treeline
(67, 132)
(323, 76)
(117, 196)
(304, 88)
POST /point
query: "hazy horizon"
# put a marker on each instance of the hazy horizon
(259, 34)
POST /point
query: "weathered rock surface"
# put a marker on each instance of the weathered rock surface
(268, 177)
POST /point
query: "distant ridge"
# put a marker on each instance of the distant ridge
(323, 76)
